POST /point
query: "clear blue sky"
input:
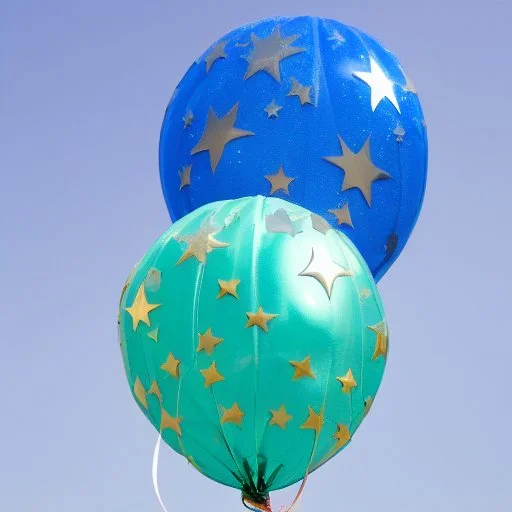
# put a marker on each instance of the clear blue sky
(83, 89)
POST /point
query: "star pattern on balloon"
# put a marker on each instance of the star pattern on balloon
(171, 422)
(381, 340)
(279, 181)
(324, 270)
(319, 224)
(153, 279)
(280, 222)
(155, 390)
(141, 308)
(232, 415)
(359, 170)
(337, 39)
(218, 132)
(184, 174)
(381, 86)
(408, 86)
(272, 109)
(171, 366)
(315, 420)
(217, 52)
(228, 288)
(342, 436)
(280, 417)
(302, 369)
(188, 119)
(399, 132)
(208, 342)
(153, 334)
(302, 91)
(268, 53)
(140, 393)
(201, 243)
(342, 215)
(347, 382)
(211, 375)
(260, 319)
(368, 402)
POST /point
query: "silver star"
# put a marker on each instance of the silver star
(319, 224)
(399, 132)
(337, 38)
(324, 270)
(187, 119)
(360, 171)
(153, 279)
(302, 91)
(201, 243)
(380, 85)
(268, 53)
(408, 86)
(218, 52)
(218, 132)
(272, 109)
(280, 222)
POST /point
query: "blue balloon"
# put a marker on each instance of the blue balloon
(309, 110)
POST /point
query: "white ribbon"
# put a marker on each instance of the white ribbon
(154, 471)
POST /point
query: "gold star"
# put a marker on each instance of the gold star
(260, 318)
(188, 118)
(315, 421)
(218, 132)
(153, 334)
(279, 181)
(140, 393)
(302, 91)
(272, 109)
(381, 342)
(342, 436)
(208, 342)
(167, 421)
(140, 308)
(324, 270)
(302, 369)
(368, 402)
(185, 176)
(380, 85)
(155, 390)
(347, 382)
(343, 215)
(268, 53)
(280, 417)
(171, 366)
(211, 375)
(228, 287)
(360, 171)
(218, 52)
(201, 243)
(232, 415)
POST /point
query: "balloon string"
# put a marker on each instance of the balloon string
(154, 471)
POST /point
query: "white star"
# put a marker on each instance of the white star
(380, 85)
(324, 270)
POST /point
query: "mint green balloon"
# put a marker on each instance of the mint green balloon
(253, 401)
